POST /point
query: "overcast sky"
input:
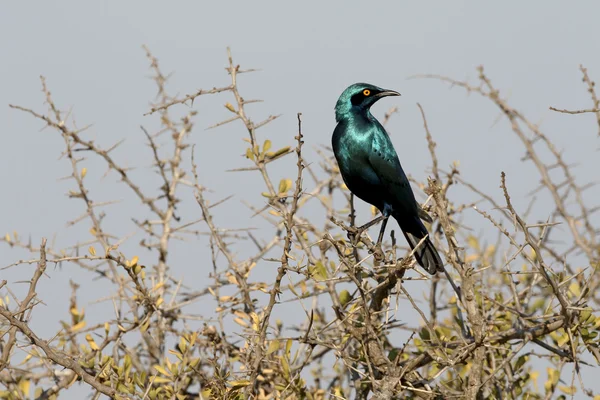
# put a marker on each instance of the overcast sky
(308, 51)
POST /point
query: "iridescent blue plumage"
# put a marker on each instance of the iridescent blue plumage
(370, 168)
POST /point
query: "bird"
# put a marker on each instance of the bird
(371, 170)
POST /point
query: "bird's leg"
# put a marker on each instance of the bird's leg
(377, 250)
(382, 230)
(369, 224)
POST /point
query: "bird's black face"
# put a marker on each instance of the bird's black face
(359, 98)
(367, 95)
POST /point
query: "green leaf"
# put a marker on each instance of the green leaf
(521, 361)
(345, 297)
(285, 366)
(318, 271)
(585, 315)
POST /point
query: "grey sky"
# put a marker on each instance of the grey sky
(309, 52)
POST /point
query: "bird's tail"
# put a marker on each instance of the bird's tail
(425, 253)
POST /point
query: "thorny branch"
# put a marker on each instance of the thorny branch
(334, 320)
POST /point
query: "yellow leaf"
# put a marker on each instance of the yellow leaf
(111, 248)
(553, 375)
(303, 287)
(285, 366)
(473, 242)
(267, 145)
(183, 344)
(229, 106)
(106, 328)
(239, 384)
(83, 172)
(93, 231)
(162, 370)
(534, 376)
(240, 321)
(78, 326)
(285, 185)
(92, 250)
(279, 152)
(27, 358)
(532, 254)
(273, 346)
(134, 260)
(159, 301)
(241, 314)
(7, 237)
(575, 289)
(254, 317)
(232, 279)
(91, 342)
(249, 154)
(145, 325)
(568, 389)
(471, 258)
(24, 387)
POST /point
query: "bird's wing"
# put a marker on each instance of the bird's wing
(385, 163)
(425, 216)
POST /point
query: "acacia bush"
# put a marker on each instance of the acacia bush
(515, 316)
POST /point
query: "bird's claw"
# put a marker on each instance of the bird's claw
(354, 236)
(378, 253)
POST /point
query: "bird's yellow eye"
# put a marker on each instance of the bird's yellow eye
(367, 92)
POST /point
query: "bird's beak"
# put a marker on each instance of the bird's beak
(386, 93)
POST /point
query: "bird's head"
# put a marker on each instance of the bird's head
(359, 98)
